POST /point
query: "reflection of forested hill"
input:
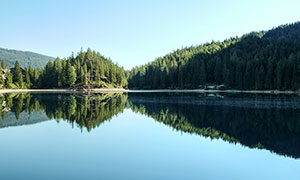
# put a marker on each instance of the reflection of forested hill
(85, 110)
(256, 121)
(262, 126)
(24, 119)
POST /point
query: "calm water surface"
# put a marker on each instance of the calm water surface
(149, 136)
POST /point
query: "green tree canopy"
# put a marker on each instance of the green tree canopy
(18, 76)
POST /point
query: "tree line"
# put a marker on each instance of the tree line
(87, 69)
(266, 60)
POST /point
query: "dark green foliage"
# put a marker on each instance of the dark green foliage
(86, 69)
(8, 80)
(58, 67)
(2, 82)
(27, 78)
(2, 64)
(18, 76)
(25, 58)
(70, 76)
(256, 61)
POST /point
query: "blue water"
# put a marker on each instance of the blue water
(131, 146)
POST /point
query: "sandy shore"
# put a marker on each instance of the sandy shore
(220, 91)
(152, 91)
(59, 90)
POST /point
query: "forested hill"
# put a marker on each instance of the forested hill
(25, 58)
(86, 70)
(265, 60)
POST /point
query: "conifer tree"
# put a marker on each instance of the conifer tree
(2, 82)
(70, 75)
(18, 76)
(2, 64)
(27, 78)
(8, 80)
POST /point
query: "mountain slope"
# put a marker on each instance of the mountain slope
(256, 61)
(25, 58)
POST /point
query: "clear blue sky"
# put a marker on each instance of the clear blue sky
(133, 32)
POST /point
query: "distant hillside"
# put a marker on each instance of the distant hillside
(25, 58)
(266, 60)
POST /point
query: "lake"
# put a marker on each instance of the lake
(161, 135)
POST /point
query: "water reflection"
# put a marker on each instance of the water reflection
(85, 110)
(256, 121)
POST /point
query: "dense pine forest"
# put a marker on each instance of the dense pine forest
(87, 70)
(266, 60)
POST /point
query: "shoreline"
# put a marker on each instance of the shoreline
(2, 91)
(221, 91)
(150, 91)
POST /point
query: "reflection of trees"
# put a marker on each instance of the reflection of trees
(258, 122)
(16, 102)
(87, 111)
(275, 129)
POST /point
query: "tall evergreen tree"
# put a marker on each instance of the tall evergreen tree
(27, 78)
(202, 78)
(3, 64)
(58, 72)
(18, 76)
(8, 80)
(70, 75)
(2, 82)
